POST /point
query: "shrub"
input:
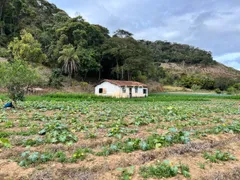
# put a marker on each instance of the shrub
(195, 87)
(232, 90)
(15, 76)
(237, 86)
(218, 91)
(56, 78)
(86, 87)
(4, 52)
(141, 78)
(202, 82)
(223, 83)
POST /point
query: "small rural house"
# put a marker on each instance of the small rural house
(121, 89)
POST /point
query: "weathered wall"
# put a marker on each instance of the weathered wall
(111, 89)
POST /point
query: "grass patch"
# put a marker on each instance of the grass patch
(90, 97)
(151, 98)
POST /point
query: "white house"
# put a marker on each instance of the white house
(121, 89)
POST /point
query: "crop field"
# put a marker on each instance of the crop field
(175, 137)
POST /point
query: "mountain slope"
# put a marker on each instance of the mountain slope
(217, 70)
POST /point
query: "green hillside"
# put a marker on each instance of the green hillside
(87, 52)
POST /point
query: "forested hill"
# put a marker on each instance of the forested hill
(165, 52)
(36, 16)
(37, 31)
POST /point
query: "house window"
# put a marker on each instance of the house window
(102, 91)
(144, 91)
(124, 89)
(136, 89)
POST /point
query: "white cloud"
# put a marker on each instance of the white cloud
(224, 21)
(228, 57)
(234, 64)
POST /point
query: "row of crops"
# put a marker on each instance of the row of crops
(90, 131)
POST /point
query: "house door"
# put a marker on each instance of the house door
(130, 92)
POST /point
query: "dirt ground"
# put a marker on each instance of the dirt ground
(106, 167)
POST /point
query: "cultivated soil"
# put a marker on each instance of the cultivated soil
(100, 118)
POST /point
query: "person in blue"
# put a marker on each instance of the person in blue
(9, 105)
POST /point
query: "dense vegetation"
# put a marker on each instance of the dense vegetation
(84, 50)
(164, 51)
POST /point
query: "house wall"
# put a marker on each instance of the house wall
(116, 91)
(139, 92)
(111, 90)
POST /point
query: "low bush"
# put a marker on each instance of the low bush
(232, 90)
(218, 91)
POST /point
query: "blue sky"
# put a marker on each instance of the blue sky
(213, 25)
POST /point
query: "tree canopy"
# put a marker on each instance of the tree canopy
(27, 49)
(15, 76)
(37, 31)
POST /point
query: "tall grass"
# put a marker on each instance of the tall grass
(150, 98)
(90, 97)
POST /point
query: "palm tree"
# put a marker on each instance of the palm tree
(69, 60)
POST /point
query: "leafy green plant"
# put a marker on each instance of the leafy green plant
(33, 142)
(27, 158)
(9, 124)
(118, 132)
(184, 170)
(126, 173)
(5, 143)
(81, 153)
(219, 156)
(164, 169)
(57, 132)
(60, 156)
(202, 165)
(91, 135)
(151, 142)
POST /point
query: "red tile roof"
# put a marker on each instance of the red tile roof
(124, 83)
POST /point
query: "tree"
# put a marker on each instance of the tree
(88, 61)
(122, 34)
(27, 48)
(2, 5)
(127, 57)
(69, 60)
(15, 76)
